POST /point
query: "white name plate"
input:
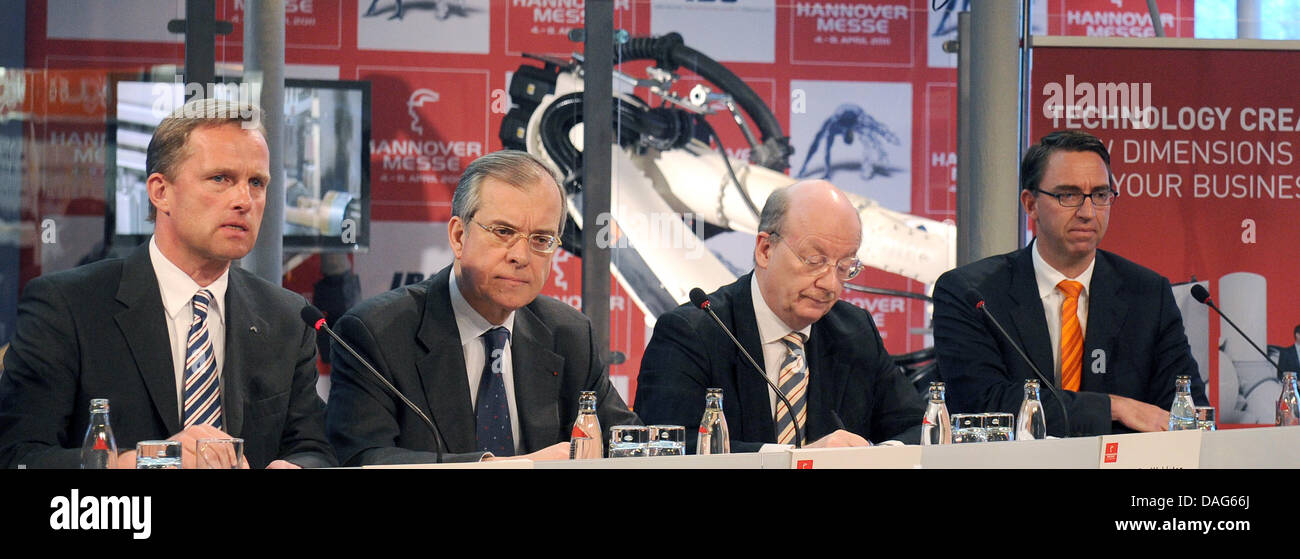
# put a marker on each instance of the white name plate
(862, 457)
(1167, 450)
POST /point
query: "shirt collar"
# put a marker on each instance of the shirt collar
(770, 326)
(469, 322)
(178, 288)
(1048, 276)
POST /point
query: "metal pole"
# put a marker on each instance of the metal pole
(1249, 19)
(597, 141)
(264, 64)
(965, 215)
(200, 42)
(994, 214)
(1155, 17)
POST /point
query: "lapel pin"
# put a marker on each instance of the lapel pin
(555, 373)
(254, 329)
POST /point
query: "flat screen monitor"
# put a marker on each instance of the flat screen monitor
(326, 159)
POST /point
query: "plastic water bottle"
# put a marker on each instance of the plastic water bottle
(713, 438)
(586, 442)
(1182, 414)
(1031, 424)
(936, 426)
(99, 450)
(1288, 403)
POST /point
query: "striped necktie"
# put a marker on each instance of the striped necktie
(1071, 336)
(202, 387)
(793, 382)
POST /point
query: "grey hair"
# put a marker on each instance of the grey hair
(519, 169)
(169, 145)
(775, 208)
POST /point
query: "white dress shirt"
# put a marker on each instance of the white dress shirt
(472, 326)
(1053, 298)
(177, 289)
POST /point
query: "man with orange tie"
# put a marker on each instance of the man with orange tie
(1104, 329)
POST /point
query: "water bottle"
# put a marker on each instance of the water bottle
(1031, 424)
(99, 450)
(936, 426)
(1288, 403)
(713, 438)
(586, 441)
(1182, 414)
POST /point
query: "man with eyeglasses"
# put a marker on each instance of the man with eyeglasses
(1107, 329)
(826, 355)
(497, 367)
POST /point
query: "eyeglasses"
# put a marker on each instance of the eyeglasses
(1075, 199)
(817, 264)
(537, 242)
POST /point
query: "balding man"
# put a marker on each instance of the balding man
(826, 355)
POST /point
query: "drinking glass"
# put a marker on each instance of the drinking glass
(627, 441)
(667, 440)
(968, 428)
(1000, 426)
(158, 455)
(220, 454)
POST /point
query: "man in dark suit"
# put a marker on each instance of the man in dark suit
(825, 355)
(1288, 358)
(1105, 330)
(181, 344)
(497, 367)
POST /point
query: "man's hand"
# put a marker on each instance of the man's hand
(283, 465)
(1139, 416)
(557, 451)
(840, 438)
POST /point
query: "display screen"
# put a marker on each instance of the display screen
(326, 159)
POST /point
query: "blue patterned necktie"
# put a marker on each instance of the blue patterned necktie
(793, 382)
(492, 411)
(202, 387)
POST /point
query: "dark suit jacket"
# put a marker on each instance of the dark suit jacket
(410, 335)
(850, 373)
(1287, 360)
(1134, 345)
(100, 331)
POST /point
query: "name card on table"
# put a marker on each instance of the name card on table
(864, 457)
(1167, 450)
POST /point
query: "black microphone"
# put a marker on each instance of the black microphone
(699, 299)
(1050, 385)
(1202, 295)
(314, 318)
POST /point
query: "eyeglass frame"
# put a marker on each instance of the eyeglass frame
(821, 268)
(1091, 196)
(516, 234)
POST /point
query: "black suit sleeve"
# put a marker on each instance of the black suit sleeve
(362, 420)
(39, 384)
(610, 408)
(302, 441)
(897, 409)
(1172, 356)
(675, 376)
(984, 374)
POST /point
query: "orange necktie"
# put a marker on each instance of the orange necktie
(1071, 336)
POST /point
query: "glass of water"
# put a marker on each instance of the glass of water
(667, 440)
(1000, 426)
(1205, 418)
(968, 428)
(220, 454)
(628, 441)
(158, 455)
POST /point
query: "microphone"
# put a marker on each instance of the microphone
(314, 318)
(1048, 383)
(699, 299)
(1202, 295)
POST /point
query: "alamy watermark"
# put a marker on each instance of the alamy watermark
(652, 231)
(243, 97)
